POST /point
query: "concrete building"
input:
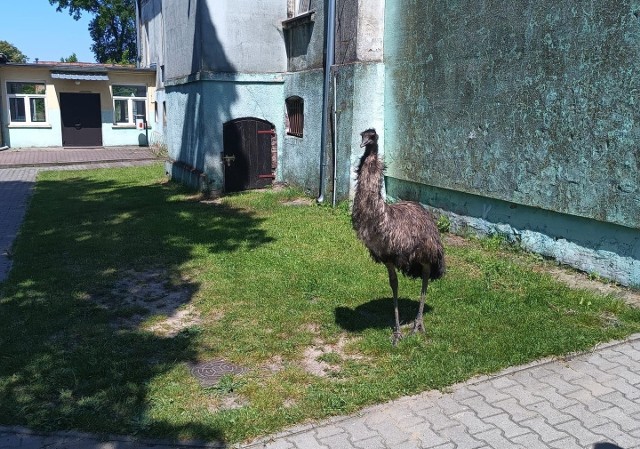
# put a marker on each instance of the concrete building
(49, 104)
(518, 119)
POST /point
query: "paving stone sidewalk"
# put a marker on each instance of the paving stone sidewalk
(42, 157)
(591, 400)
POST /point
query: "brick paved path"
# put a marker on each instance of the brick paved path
(15, 191)
(31, 157)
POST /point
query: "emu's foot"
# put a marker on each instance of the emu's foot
(397, 336)
(418, 326)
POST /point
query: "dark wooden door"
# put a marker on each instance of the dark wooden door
(247, 154)
(81, 120)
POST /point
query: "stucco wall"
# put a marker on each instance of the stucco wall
(197, 108)
(520, 119)
(300, 156)
(242, 36)
(531, 102)
(360, 106)
(305, 41)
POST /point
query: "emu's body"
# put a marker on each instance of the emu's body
(401, 236)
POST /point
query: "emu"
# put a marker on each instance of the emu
(401, 236)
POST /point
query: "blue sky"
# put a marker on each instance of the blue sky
(38, 31)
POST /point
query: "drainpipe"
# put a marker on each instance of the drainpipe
(335, 140)
(138, 22)
(330, 35)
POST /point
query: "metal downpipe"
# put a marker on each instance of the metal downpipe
(330, 34)
(334, 129)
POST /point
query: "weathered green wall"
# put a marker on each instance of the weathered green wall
(299, 157)
(531, 102)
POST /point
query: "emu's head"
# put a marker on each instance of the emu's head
(369, 137)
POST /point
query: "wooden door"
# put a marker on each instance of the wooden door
(81, 120)
(247, 154)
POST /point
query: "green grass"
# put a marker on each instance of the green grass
(268, 281)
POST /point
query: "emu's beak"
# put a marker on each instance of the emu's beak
(365, 142)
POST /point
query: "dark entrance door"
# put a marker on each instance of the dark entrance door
(247, 154)
(81, 120)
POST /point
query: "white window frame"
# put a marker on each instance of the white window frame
(298, 7)
(27, 103)
(301, 7)
(131, 119)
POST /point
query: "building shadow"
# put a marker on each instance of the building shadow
(75, 353)
(203, 103)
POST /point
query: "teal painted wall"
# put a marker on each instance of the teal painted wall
(592, 246)
(299, 158)
(521, 119)
(531, 102)
(198, 107)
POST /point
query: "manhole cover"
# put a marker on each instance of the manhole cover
(209, 373)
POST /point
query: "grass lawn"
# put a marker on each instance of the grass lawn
(121, 282)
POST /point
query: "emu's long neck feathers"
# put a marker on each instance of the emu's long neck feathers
(368, 201)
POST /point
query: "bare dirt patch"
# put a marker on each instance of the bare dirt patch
(575, 279)
(298, 202)
(139, 295)
(454, 240)
(324, 359)
(179, 320)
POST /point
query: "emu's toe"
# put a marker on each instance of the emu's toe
(418, 326)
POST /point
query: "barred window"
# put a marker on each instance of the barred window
(295, 116)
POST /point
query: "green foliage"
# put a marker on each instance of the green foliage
(443, 223)
(270, 278)
(113, 27)
(12, 53)
(72, 58)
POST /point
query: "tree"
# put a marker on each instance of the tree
(12, 53)
(72, 58)
(113, 27)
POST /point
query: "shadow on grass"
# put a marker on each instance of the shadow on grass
(67, 359)
(377, 314)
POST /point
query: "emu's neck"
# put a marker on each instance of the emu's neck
(368, 199)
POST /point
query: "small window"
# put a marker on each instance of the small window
(129, 102)
(300, 7)
(295, 116)
(27, 102)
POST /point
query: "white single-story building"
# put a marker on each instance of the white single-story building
(50, 104)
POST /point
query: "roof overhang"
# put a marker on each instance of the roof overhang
(80, 76)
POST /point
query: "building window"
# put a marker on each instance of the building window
(129, 102)
(300, 7)
(27, 102)
(295, 116)
(164, 114)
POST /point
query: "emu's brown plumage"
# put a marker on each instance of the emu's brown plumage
(401, 236)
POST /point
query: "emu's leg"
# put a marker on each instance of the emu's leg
(393, 282)
(418, 325)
